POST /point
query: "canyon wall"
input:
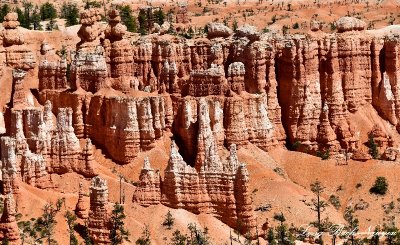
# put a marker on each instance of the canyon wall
(212, 94)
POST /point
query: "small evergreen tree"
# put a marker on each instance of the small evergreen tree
(373, 147)
(48, 11)
(27, 230)
(21, 16)
(375, 237)
(85, 235)
(169, 220)
(26, 20)
(5, 9)
(178, 238)
(380, 186)
(317, 204)
(271, 237)
(160, 16)
(92, 4)
(70, 12)
(118, 232)
(284, 236)
(198, 237)
(46, 223)
(35, 19)
(51, 25)
(71, 219)
(145, 238)
(352, 223)
(392, 234)
(142, 18)
(127, 18)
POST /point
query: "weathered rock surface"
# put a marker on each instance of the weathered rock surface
(99, 216)
(81, 208)
(89, 67)
(148, 192)
(214, 186)
(52, 69)
(215, 30)
(350, 24)
(8, 223)
(18, 56)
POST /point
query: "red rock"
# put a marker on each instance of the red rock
(89, 67)
(8, 223)
(81, 208)
(148, 192)
(9, 168)
(52, 69)
(99, 216)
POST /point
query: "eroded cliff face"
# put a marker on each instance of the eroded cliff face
(212, 94)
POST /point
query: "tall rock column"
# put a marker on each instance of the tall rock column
(9, 168)
(8, 224)
(89, 68)
(148, 192)
(98, 224)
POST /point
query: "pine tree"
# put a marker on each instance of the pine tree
(118, 232)
(169, 220)
(352, 223)
(26, 20)
(160, 16)
(46, 223)
(178, 238)
(71, 219)
(127, 18)
(48, 11)
(5, 241)
(145, 238)
(373, 147)
(85, 235)
(35, 19)
(317, 204)
(51, 25)
(142, 18)
(271, 237)
(5, 9)
(70, 12)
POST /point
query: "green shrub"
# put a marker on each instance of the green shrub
(324, 155)
(380, 186)
(373, 147)
(334, 200)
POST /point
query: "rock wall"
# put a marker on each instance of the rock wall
(213, 186)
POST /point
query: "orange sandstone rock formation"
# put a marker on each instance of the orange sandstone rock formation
(98, 223)
(8, 223)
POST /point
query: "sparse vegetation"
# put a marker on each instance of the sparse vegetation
(71, 219)
(145, 238)
(373, 147)
(48, 11)
(169, 220)
(318, 205)
(119, 233)
(324, 155)
(127, 18)
(380, 186)
(70, 12)
(334, 200)
(4, 10)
